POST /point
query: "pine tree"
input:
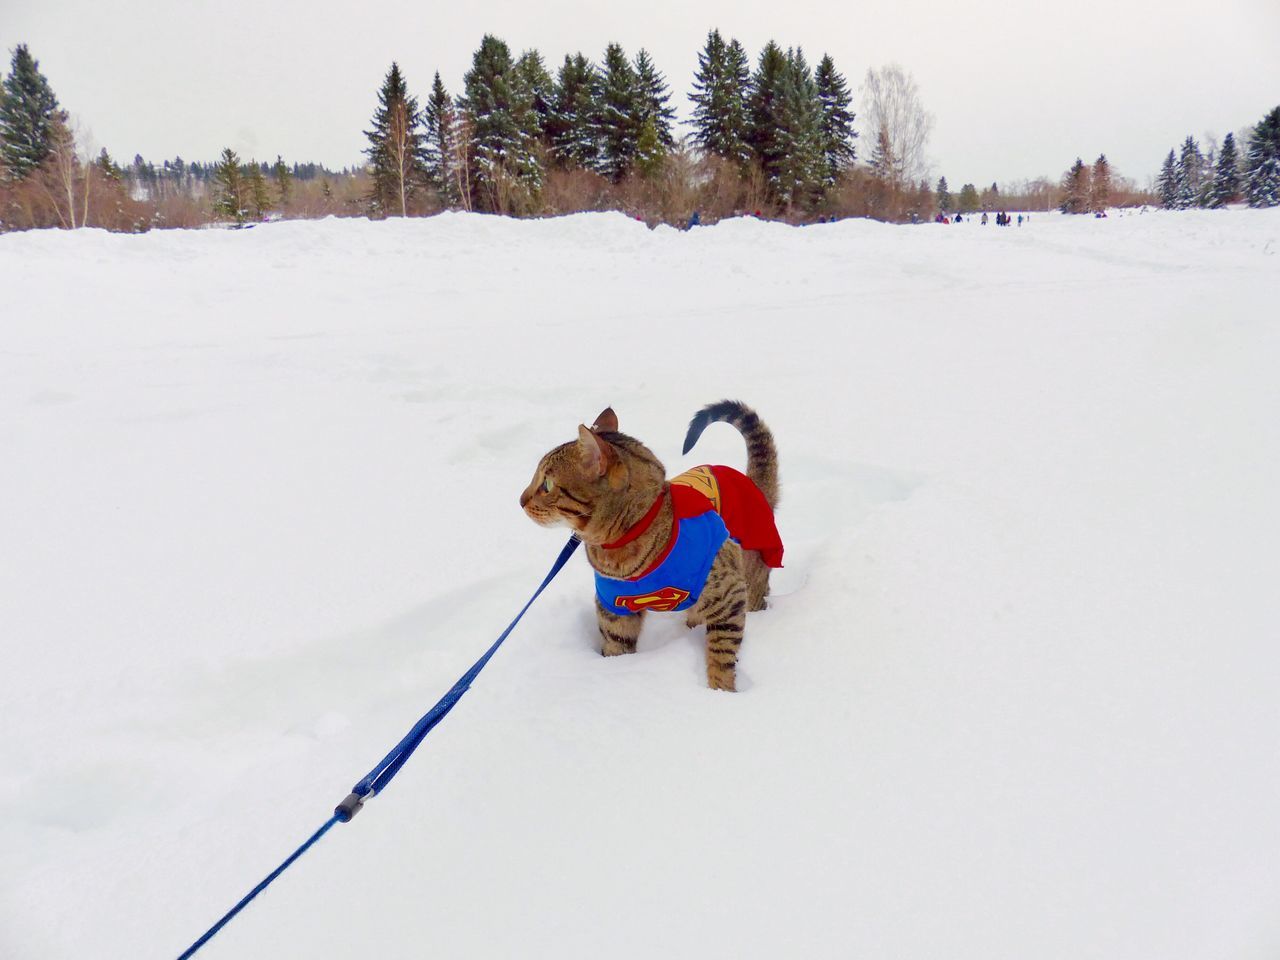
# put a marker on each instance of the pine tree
(506, 169)
(883, 165)
(1190, 174)
(1226, 178)
(229, 195)
(395, 147)
(284, 180)
(1262, 177)
(573, 127)
(968, 202)
(438, 121)
(944, 195)
(619, 114)
(1100, 184)
(259, 196)
(799, 178)
(534, 86)
(653, 98)
(837, 133)
(29, 115)
(765, 134)
(651, 155)
(1075, 189)
(1167, 182)
(720, 91)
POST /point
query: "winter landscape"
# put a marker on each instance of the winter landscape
(1014, 695)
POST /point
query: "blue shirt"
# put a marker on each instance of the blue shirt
(677, 582)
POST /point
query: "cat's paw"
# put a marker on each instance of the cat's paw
(722, 680)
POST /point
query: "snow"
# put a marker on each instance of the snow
(1015, 695)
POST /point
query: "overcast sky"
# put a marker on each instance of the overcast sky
(1018, 89)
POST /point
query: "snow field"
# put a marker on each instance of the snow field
(1015, 695)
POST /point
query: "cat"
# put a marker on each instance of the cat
(703, 542)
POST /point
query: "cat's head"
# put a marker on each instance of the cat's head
(594, 482)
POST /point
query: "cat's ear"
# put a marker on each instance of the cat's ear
(597, 456)
(607, 422)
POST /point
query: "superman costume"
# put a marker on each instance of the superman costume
(711, 504)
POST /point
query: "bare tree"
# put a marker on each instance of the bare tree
(893, 108)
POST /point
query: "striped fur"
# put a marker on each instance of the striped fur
(603, 483)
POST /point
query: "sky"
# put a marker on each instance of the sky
(1018, 89)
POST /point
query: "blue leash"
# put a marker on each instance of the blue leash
(380, 776)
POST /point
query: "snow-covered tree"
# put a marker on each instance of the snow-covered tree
(29, 117)
(620, 114)
(1167, 182)
(573, 128)
(653, 98)
(1226, 176)
(720, 91)
(1262, 177)
(836, 129)
(1190, 175)
(506, 171)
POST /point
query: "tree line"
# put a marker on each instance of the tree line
(771, 136)
(785, 129)
(1190, 177)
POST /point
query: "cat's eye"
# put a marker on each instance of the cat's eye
(547, 485)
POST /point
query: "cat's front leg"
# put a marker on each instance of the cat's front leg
(618, 634)
(723, 608)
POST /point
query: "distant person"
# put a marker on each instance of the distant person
(984, 218)
(1019, 219)
(958, 218)
(694, 220)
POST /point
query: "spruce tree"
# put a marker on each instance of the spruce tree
(651, 155)
(1226, 178)
(1262, 177)
(884, 165)
(765, 133)
(720, 91)
(259, 196)
(29, 116)
(1075, 189)
(438, 121)
(836, 128)
(799, 178)
(506, 173)
(620, 117)
(968, 202)
(229, 195)
(395, 147)
(1167, 182)
(1190, 174)
(573, 127)
(283, 178)
(1100, 184)
(534, 86)
(653, 98)
(944, 195)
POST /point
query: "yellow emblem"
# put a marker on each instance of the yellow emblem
(704, 481)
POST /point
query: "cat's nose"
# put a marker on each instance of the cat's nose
(525, 498)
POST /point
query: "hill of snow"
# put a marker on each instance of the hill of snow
(1015, 695)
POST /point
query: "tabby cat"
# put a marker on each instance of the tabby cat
(703, 542)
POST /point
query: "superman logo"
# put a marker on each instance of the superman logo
(704, 481)
(668, 598)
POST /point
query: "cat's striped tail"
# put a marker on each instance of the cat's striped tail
(762, 455)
